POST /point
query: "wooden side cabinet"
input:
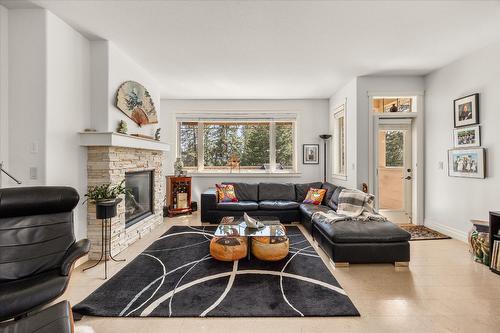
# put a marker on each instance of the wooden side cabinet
(178, 195)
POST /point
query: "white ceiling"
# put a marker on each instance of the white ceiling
(282, 49)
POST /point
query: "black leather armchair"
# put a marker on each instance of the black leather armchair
(37, 246)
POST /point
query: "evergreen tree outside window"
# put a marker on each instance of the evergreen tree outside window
(188, 132)
(284, 145)
(394, 149)
(255, 152)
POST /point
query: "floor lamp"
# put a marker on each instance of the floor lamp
(325, 138)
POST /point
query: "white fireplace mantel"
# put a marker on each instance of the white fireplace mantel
(112, 139)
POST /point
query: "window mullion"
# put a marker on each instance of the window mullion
(272, 145)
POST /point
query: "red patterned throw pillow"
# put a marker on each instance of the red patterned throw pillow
(315, 196)
(225, 193)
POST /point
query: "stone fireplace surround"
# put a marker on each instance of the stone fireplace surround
(108, 164)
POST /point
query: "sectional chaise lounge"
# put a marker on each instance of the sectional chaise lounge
(345, 241)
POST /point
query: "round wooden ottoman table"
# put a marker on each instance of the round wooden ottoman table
(270, 248)
(228, 248)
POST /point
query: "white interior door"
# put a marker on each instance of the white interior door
(394, 174)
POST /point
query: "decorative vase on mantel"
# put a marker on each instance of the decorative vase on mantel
(106, 208)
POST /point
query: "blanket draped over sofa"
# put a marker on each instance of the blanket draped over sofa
(353, 205)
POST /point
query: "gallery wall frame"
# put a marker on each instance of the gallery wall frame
(466, 111)
(464, 137)
(467, 163)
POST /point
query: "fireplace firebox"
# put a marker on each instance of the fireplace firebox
(139, 203)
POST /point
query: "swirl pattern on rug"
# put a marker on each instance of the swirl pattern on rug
(177, 277)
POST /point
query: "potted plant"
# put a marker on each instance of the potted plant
(105, 197)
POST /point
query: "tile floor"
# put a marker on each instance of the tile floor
(442, 290)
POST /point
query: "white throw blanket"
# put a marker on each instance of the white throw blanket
(353, 205)
(329, 217)
(358, 205)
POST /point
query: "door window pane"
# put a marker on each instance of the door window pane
(394, 148)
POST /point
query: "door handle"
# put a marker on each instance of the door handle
(406, 178)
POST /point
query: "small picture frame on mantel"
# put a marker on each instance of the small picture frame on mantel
(310, 154)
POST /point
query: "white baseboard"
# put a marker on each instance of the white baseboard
(447, 230)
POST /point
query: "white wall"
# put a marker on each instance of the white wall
(27, 93)
(122, 68)
(99, 91)
(50, 98)
(348, 95)
(111, 67)
(451, 202)
(356, 93)
(49, 102)
(4, 92)
(312, 120)
(68, 106)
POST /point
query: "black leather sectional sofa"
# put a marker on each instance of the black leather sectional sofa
(344, 242)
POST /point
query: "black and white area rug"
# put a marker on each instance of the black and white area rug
(177, 277)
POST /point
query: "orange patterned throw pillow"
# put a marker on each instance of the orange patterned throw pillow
(315, 196)
(225, 193)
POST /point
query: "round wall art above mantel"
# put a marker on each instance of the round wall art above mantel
(133, 99)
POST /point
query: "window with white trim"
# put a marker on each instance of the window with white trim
(237, 145)
(339, 142)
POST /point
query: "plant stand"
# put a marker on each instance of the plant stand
(105, 211)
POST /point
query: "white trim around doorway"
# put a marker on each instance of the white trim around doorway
(417, 119)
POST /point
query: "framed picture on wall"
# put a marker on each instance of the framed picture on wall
(468, 163)
(310, 153)
(467, 136)
(466, 110)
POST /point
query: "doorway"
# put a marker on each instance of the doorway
(394, 174)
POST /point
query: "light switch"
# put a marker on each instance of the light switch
(33, 173)
(34, 147)
(440, 165)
